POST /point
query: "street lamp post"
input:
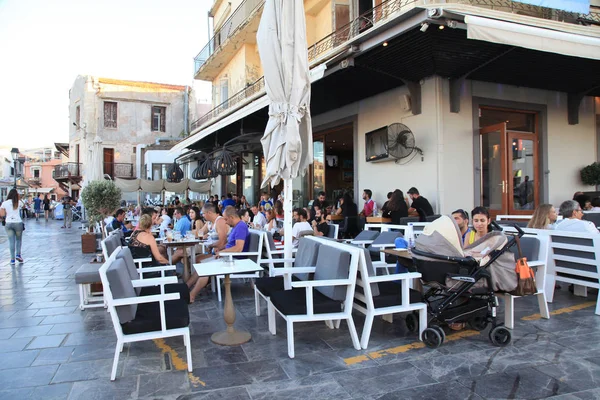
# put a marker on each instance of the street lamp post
(15, 156)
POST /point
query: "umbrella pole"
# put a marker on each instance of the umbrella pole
(287, 219)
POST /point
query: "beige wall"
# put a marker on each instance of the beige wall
(447, 172)
(244, 68)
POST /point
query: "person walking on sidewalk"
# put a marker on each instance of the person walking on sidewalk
(13, 224)
(46, 203)
(37, 207)
(68, 203)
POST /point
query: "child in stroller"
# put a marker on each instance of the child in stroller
(462, 282)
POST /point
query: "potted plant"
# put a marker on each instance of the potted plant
(100, 199)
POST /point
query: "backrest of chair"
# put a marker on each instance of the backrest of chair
(332, 263)
(306, 233)
(367, 235)
(125, 254)
(594, 217)
(306, 256)
(369, 270)
(333, 231)
(530, 246)
(576, 254)
(387, 237)
(432, 218)
(110, 244)
(120, 287)
(406, 220)
(519, 223)
(255, 239)
(270, 241)
(351, 225)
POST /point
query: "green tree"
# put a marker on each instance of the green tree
(100, 199)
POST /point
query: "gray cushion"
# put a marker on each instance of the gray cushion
(530, 246)
(332, 263)
(306, 256)
(120, 288)
(331, 234)
(271, 241)
(88, 273)
(367, 235)
(371, 271)
(253, 240)
(125, 255)
(386, 238)
(112, 242)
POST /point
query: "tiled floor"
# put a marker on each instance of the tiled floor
(51, 350)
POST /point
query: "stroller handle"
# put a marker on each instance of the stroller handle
(459, 260)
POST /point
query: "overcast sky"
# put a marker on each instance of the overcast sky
(45, 44)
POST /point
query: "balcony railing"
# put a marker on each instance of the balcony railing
(68, 170)
(229, 27)
(365, 22)
(118, 170)
(237, 98)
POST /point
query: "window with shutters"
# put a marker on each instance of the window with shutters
(159, 119)
(110, 114)
(77, 116)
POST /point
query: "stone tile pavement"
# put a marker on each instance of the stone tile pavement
(51, 350)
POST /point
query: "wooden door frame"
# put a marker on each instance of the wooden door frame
(501, 127)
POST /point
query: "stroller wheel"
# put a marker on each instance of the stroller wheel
(478, 324)
(412, 323)
(441, 332)
(432, 338)
(500, 336)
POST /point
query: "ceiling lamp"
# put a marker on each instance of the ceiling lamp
(196, 174)
(225, 164)
(207, 170)
(174, 173)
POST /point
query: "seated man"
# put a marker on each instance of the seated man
(418, 202)
(301, 225)
(370, 208)
(183, 224)
(319, 224)
(462, 220)
(236, 243)
(259, 220)
(118, 223)
(572, 213)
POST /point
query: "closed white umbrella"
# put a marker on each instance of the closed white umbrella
(287, 141)
(95, 167)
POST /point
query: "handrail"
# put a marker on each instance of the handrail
(67, 170)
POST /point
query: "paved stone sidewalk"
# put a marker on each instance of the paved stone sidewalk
(51, 350)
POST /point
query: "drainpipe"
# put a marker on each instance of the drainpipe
(186, 107)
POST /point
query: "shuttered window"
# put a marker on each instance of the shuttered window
(110, 114)
(159, 119)
(77, 116)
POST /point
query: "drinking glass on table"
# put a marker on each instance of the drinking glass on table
(177, 236)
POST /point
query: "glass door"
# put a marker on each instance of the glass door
(522, 162)
(318, 167)
(493, 169)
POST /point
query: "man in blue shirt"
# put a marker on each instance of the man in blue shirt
(183, 224)
(118, 223)
(237, 241)
(228, 201)
(37, 207)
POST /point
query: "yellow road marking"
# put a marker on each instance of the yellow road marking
(404, 348)
(535, 317)
(177, 361)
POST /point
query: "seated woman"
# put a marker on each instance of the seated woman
(143, 244)
(197, 225)
(543, 217)
(396, 207)
(271, 222)
(481, 225)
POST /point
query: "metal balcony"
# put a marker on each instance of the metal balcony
(67, 171)
(118, 170)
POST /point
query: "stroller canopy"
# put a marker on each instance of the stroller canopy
(441, 237)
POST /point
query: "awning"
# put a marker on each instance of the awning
(41, 190)
(315, 74)
(529, 37)
(133, 185)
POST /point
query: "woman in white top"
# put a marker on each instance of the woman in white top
(164, 220)
(14, 225)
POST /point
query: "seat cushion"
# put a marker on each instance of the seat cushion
(121, 288)
(367, 235)
(293, 302)
(181, 288)
(147, 318)
(269, 285)
(390, 294)
(88, 273)
(332, 263)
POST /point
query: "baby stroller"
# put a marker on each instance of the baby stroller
(461, 284)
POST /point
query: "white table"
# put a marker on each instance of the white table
(229, 337)
(183, 243)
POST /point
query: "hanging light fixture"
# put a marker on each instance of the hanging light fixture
(174, 173)
(196, 174)
(225, 164)
(207, 170)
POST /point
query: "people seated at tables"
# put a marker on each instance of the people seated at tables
(481, 225)
(278, 208)
(243, 203)
(143, 244)
(300, 226)
(348, 207)
(271, 222)
(595, 204)
(196, 229)
(320, 225)
(156, 216)
(228, 201)
(384, 210)
(118, 223)
(462, 220)
(370, 207)
(182, 223)
(237, 242)
(584, 201)
(165, 220)
(544, 217)
(259, 220)
(265, 203)
(176, 202)
(418, 202)
(396, 207)
(572, 219)
(320, 201)
(244, 214)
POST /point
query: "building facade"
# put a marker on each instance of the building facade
(501, 99)
(124, 116)
(39, 172)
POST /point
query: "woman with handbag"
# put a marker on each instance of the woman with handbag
(14, 225)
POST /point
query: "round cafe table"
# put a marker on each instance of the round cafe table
(182, 243)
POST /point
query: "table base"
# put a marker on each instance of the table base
(233, 338)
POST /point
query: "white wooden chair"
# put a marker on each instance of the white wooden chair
(327, 297)
(255, 248)
(334, 230)
(535, 249)
(384, 295)
(137, 318)
(113, 242)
